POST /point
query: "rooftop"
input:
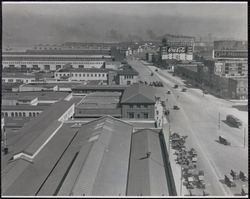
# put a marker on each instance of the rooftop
(44, 95)
(230, 45)
(18, 75)
(84, 70)
(23, 107)
(146, 174)
(138, 93)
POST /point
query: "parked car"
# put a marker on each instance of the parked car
(205, 92)
(156, 70)
(176, 107)
(184, 90)
(175, 86)
(169, 92)
(223, 140)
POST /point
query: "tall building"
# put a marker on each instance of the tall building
(231, 58)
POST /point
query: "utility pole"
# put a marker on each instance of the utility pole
(244, 131)
(219, 121)
(181, 183)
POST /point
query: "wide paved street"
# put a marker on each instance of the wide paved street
(198, 118)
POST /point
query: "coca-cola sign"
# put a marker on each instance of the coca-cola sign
(176, 49)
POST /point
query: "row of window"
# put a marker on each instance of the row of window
(20, 59)
(80, 75)
(17, 80)
(21, 63)
(132, 115)
(138, 106)
(20, 114)
(128, 76)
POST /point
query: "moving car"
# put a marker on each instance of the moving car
(233, 120)
(176, 107)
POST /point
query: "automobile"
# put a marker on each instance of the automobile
(184, 90)
(205, 92)
(223, 140)
(176, 107)
(233, 120)
(175, 86)
(169, 92)
(156, 70)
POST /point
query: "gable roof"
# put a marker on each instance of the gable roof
(138, 93)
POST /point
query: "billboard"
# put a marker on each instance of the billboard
(176, 49)
(230, 54)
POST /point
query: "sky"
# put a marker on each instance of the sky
(34, 23)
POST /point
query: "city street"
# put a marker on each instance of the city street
(202, 118)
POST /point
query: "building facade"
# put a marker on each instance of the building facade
(231, 58)
(138, 102)
(177, 48)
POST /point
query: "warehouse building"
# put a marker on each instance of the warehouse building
(100, 158)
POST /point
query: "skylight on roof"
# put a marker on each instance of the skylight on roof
(93, 138)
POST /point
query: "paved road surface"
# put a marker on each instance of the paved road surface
(198, 118)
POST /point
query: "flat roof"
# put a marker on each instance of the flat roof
(18, 75)
(41, 95)
(84, 70)
(100, 87)
(23, 107)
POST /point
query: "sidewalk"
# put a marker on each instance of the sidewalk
(176, 169)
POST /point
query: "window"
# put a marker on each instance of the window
(56, 75)
(75, 74)
(83, 74)
(34, 114)
(16, 114)
(81, 66)
(87, 75)
(91, 75)
(24, 114)
(19, 80)
(131, 115)
(130, 106)
(80, 75)
(138, 115)
(6, 114)
(145, 115)
(99, 75)
(138, 106)
(30, 114)
(20, 114)
(103, 75)
(37, 113)
(12, 114)
(10, 80)
(23, 66)
(145, 106)
(95, 75)
(11, 66)
(46, 67)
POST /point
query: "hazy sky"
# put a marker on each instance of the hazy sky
(57, 23)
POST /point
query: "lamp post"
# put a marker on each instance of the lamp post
(181, 182)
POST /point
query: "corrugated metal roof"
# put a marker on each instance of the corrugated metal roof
(104, 169)
(138, 93)
(146, 174)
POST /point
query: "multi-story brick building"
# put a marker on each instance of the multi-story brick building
(231, 58)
